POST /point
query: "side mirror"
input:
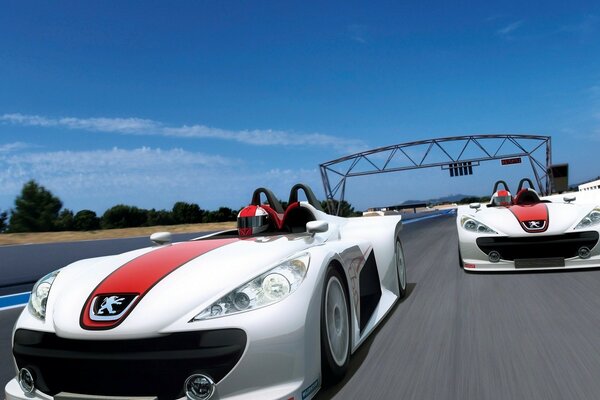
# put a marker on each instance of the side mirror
(313, 227)
(161, 238)
(475, 206)
(569, 199)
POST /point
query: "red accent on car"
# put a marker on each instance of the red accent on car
(141, 274)
(470, 266)
(532, 213)
(290, 208)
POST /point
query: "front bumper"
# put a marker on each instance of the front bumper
(530, 253)
(564, 246)
(141, 367)
(279, 358)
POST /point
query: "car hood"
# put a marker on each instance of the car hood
(553, 218)
(171, 282)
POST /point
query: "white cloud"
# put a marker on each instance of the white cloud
(139, 126)
(510, 28)
(12, 147)
(145, 177)
(117, 125)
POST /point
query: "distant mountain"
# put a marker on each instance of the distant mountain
(447, 199)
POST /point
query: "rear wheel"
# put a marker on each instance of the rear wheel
(335, 327)
(401, 267)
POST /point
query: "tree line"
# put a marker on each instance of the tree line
(474, 199)
(38, 210)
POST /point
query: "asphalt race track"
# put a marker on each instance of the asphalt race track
(462, 335)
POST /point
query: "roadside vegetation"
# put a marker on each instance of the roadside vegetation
(474, 199)
(37, 210)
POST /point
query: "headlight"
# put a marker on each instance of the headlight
(39, 295)
(473, 225)
(268, 288)
(593, 218)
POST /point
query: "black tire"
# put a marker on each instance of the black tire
(335, 327)
(461, 264)
(400, 268)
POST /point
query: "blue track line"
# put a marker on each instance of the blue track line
(20, 299)
(14, 300)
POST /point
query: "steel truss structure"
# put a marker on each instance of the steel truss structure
(398, 157)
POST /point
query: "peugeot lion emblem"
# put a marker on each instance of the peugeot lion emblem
(111, 307)
(107, 304)
(535, 225)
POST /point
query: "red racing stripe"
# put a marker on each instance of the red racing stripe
(532, 213)
(139, 275)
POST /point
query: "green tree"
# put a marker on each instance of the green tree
(221, 215)
(86, 220)
(3, 219)
(346, 209)
(65, 220)
(187, 213)
(159, 217)
(36, 210)
(123, 216)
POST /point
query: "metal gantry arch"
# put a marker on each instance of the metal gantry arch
(474, 149)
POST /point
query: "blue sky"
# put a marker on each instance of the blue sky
(148, 103)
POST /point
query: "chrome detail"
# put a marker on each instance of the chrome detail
(26, 380)
(199, 387)
(584, 252)
(494, 256)
(106, 312)
(535, 225)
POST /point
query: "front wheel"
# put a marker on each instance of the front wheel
(401, 267)
(335, 327)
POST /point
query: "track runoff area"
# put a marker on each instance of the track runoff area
(20, 299)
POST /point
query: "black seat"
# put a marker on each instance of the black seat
(296, 217)
(527, 197)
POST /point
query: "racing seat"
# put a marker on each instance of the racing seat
(527, 197)
(296, 216)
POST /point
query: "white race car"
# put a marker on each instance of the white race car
(528, 233)
(266, 311)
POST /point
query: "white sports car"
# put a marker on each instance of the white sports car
(528, 233)
(241, 314)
